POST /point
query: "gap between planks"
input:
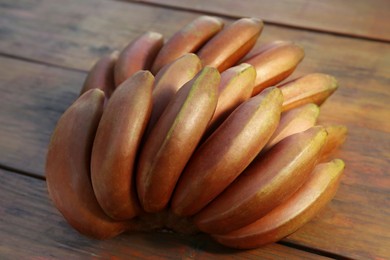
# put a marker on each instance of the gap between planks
(314, 250)
(310, 250)
(41, 62)
(277, 24)
(22, 172)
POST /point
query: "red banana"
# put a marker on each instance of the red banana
(101, 75)
(274, 64)
(169, 80)
(174, 138)
(267, 182)
(235, 88)
(115, 147)
(138, 55)
(312, 88)
(231, 44)
(68, 168)
(189, 39)
(336, 137)
(294, 121)
(285, 219)
(227, 152)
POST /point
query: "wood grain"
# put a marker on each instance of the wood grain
(355, 224)
(367, 19)
(33, 98)
(32, 228)
(76, 34)
(33, 106)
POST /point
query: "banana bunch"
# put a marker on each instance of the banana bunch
(192, 135)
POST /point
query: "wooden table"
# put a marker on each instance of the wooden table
(47, 46)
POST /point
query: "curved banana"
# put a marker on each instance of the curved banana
(68, 168)
(227, 152)
(275, 64)
(264, 47)
(174, 138)
(312, 88)
(294, 121)
(115, 147)
(299, 209)
(138, 55)
(266, 183)
(101, 75)
(168, 81)
(236, 87)
(336, 137)
(189, 39)
(231, 44)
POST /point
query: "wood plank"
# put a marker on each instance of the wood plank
(32, 107)
(31, 227)
(33, 98)
(361, 102)
(370, 205)
(367, 19)
(76, 34)
(32, 37)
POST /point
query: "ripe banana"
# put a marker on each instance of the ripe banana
(68, 168)
(294, 121)
(299, 209)
(192, 150)
(115, 147)
(179, 128)
(312, 88)
(266, 183)
(227, 152)
(336, 137)
(231, 44)
(101, 75)
(235, 88)
(188, 40)
(138, 55)
(264, 47)
(168, 81)
(274, 64)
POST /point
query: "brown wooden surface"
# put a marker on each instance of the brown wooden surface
(69, 38)
(33, 98)
(34, 229)
(360, 18)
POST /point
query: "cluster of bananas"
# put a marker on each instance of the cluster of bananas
(192, 135)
